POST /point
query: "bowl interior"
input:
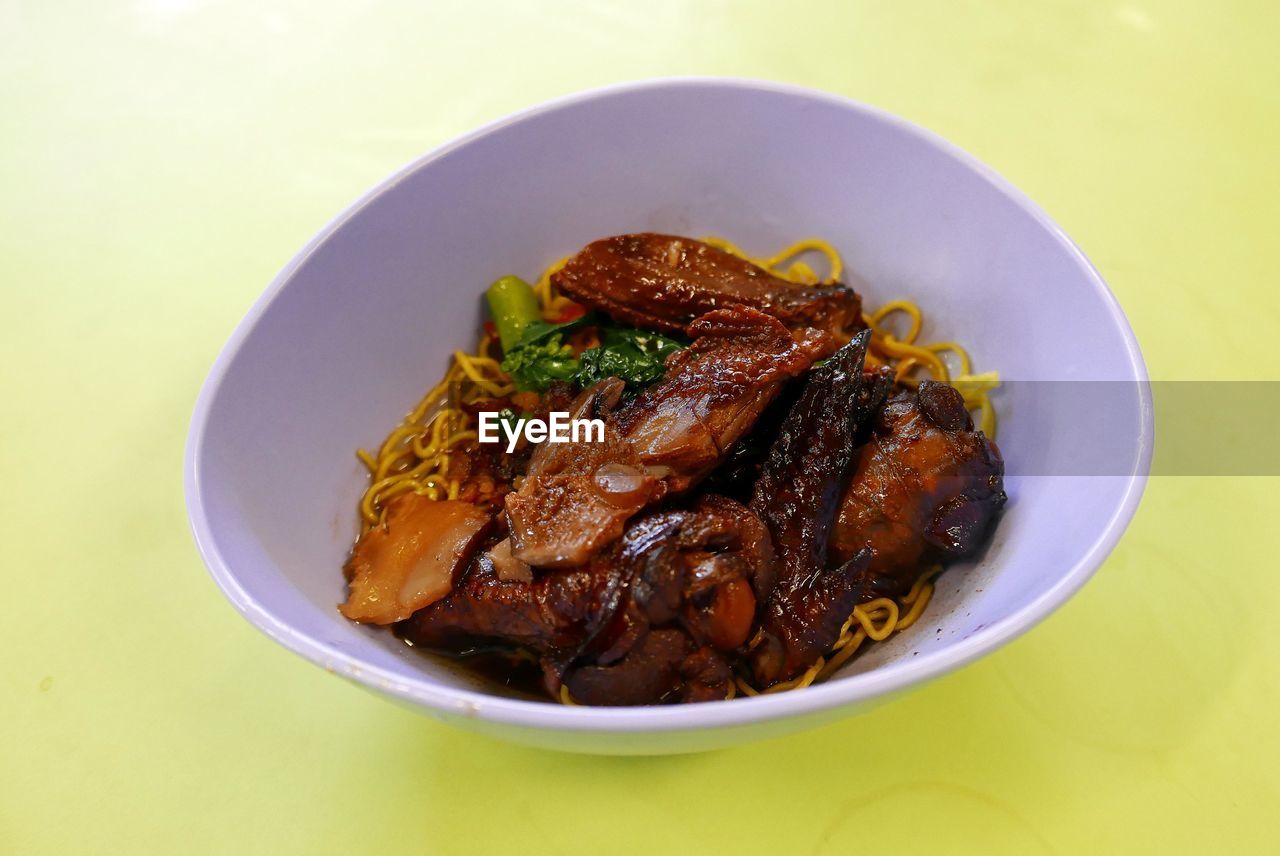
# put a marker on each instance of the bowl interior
(363, 321)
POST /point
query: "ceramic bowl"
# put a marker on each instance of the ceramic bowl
(361, 322)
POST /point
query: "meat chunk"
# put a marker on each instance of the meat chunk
(926, 486)
(712, 393)
(797, 496)
(553, 614)
(684, 572)
(577, 497)
(663, 282)
(706, 675)
(663, 666)
(697, 568)
(412, 560)
(646, 675)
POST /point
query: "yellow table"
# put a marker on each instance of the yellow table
(160, 160)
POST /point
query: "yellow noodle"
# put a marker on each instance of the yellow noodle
(867, 612)
(891, 347)
(966, 366)
(917, 608)
(842, 654)
(909, 309)
(834, 264)
(800, 682)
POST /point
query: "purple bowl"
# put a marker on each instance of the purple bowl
(361, 322)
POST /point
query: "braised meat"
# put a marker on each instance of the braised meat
(554, 614)
(576, 497)
(926, 487)
(619, 629)
(663, 282)
(713, 392)
(753, 482)
(797, 496)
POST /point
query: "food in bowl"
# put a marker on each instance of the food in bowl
(766, 478)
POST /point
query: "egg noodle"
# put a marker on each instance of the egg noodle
(415, 456)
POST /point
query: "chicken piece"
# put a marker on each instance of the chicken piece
(713, 392)
(577, 497)
(663, 282)
(796, 497)
(410, 562)
(926, 486)
(685, 572)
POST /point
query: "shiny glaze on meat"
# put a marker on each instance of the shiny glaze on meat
(577, 497)
(679, 585)
(663, 282)
(796, 496)
(926, 486)
(713, 392)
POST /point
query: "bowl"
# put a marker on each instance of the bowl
(362, 321)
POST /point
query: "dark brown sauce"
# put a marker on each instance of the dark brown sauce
(506, 670)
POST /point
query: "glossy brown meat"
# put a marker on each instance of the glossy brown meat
(577, 497)
(736, 475)
(648, 674)
(689, 572)
(713, 392)
(664, 666)
(796, 496)
(705, 676)
(662, 282)
(926, 486)
(698, 568)
(554, 614)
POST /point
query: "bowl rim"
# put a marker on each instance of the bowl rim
(543, 715)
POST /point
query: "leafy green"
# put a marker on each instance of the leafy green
(540, 331)
(636, 356)
(541, 356)
(535, 366)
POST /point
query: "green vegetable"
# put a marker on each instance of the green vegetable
(538, 355)
(513, 307)
(534, 366)
(537, 332)
(636, 356)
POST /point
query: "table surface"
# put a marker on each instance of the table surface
(161, 160)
